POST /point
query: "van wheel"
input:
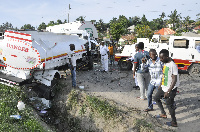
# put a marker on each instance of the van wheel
(195, 69)
(124, 65)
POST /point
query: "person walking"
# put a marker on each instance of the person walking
(142, 75)
(72, 65)
(170, 82)
(104, 51)
(155, 69)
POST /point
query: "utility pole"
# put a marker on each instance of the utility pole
(68, 13)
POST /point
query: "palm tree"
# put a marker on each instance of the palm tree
(174, 18)
(186, 22)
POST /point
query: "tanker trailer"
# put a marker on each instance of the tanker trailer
(31, 56)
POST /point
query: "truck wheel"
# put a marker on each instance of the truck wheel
(124, 65)
(90, 63)
(195, 69)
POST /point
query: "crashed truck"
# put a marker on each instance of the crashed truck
(30, 57)
(182, 49)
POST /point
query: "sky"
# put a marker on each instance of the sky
(34, 12)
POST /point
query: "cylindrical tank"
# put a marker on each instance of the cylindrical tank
(31, 49)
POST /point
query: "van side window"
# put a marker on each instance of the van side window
(181, 43)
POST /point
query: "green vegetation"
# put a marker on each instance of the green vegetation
(9, 97)
(92, 107)
(28, 27)
(102, 107)
(142, 125)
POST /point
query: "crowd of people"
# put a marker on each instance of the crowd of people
(160, 73)
(151, 71)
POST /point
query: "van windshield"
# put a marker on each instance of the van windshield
(197, 45)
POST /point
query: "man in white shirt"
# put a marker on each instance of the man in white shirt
(104, 51)
(72, 61)
(168, 89)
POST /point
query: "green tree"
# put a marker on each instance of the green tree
(144, 20)
(136, 20)
(28, 27)
(42, 26)
(59, 22)
(65, 21)
(161, 21)
(114, 19)
(101, 26)
(198, 20)
(6, 26)
(175, 19)
(116, 29)
(51, 23)
(187, 22)
(81, 18)
(125, 23)
(143, 31)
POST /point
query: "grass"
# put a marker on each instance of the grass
(102, 107)
(99, 107)
(9, 97)
(142, 125)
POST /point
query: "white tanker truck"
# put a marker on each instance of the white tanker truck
(29, 56)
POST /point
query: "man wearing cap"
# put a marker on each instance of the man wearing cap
(104, 51)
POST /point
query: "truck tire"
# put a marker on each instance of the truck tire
(90, 63)
(124, 65)
(194, 70)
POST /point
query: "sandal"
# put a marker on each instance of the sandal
(140, 98)
(173, 124)
(147, 110)
(161, 116)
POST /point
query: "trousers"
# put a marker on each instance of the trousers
(169, 102)
(143, 82)
(104, 62)
(73, 76)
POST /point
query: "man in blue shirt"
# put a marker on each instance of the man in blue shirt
(155, 69)
(142, 74)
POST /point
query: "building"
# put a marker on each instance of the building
(165, 31)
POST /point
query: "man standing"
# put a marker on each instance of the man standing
(142, 75)
(155, 69)
(111, 54)
(72, 61)
(170, 82)
(132, 59)
(104, 56)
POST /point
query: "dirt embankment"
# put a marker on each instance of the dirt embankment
(116, 88)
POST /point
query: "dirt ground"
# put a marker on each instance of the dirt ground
(118, 85)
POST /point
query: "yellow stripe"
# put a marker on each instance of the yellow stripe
(163, 75)
(183, 63)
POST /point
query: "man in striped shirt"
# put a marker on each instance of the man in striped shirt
(155, 69)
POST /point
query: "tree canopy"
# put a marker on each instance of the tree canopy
(28, 27)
